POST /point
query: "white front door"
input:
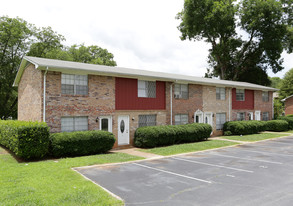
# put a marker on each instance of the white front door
(123, 130)
(257, 115)
(208, 118)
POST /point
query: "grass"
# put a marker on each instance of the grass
(189, 147)
(255, 137)
(54, 183)
(291, 131)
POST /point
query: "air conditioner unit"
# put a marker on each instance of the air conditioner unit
(177, 96)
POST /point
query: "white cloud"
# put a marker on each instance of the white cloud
(141, 34)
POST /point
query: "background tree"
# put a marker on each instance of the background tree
(276, 82)
(247, 36)
(286, 88)
(19, 38)
(15, 39)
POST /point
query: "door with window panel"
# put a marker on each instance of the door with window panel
(105, 123)
(123, 130)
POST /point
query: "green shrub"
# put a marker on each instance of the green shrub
(289, 115)
(243, 127)
(227, 133)
(288, 119)
(28, 140)
(80, 143)
(276, 125)
(154, 136)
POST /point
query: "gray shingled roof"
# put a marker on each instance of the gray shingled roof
(82, 68)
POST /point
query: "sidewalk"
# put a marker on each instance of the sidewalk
(135, 152)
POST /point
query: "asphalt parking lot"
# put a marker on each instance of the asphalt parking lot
(251, 174)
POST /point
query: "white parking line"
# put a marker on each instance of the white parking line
(273, 153)
(172, 173)
(243, 158)
(213, 165)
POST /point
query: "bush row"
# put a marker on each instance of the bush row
(32, 140)
(288, 119)
(253, 127)
(28, 140)
(154, 136)
(80, 143)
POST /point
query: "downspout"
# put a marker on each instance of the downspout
(230, 89)
(171, 115)
(44, 96)
(273, 105)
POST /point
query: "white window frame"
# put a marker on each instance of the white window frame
(267, 116)
(240, 93)
(265, 96)
(238, 119)
(74, 120)
(250, 115)
(220, 93)
(142, 88)
(75, 84)
(109, 122)
(179, 92)
(219, 120)
(180, 122)
(147, 123)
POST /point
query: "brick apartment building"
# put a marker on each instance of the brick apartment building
(288, 102)
(71, 96)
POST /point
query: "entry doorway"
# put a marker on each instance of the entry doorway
(123, 130)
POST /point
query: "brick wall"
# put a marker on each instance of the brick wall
(100, 101)
(289, 106)
(184, 106)
(211, 104)
(262, 106)
(30, 94)
(133, 120)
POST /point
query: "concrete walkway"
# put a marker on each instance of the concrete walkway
(229, 140)
(135, 152)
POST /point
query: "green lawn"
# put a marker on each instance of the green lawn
(189, 147)
(255, 137)
(291, 131)
(54, 183)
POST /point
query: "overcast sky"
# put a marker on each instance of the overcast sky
(142, 34)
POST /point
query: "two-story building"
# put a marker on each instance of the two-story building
(72, 96)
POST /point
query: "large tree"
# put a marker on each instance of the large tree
(247, 36)
(19, 38)
(15, 39)
(286, 88)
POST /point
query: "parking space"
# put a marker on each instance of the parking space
(251, 174)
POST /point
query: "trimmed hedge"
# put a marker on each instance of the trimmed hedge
(28, 140)
(276, 125)
(155, 136)
(243, 127)
(80, 143)
(288, 119)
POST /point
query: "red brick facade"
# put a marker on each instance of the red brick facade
(289, 106)
(102, 98)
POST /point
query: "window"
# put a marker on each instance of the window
(181, 119)
(147, 120)
(181, 91)
(70, 124)
(74, 84)
(240, 116)
(240, 96)
(105, 123)
(265, 96)
(220, 120)
(220, 93)
(146, 89)
(265, 116)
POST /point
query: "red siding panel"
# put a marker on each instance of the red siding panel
(247, 104)
(126, 96)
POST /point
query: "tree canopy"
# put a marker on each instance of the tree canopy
(247, 37)
(286, 88)
(19, 38)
